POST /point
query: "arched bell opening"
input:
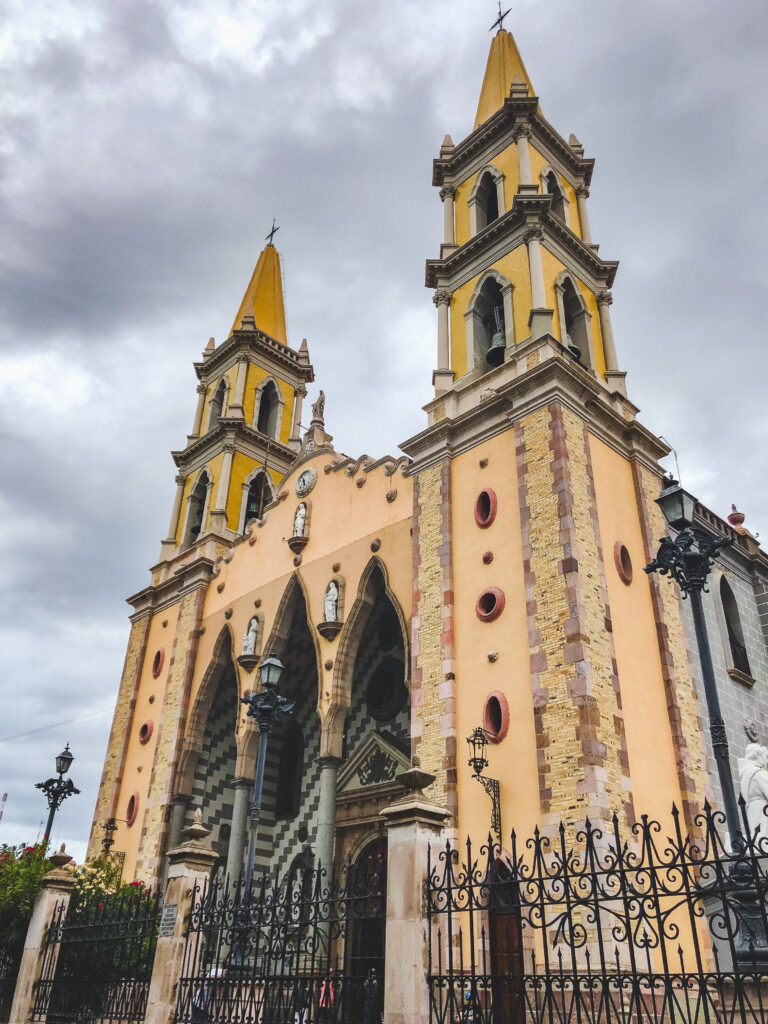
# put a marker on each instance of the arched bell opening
(197, 508)
(574, 321)
(268, 408)
(487, 326)
(258, 494)
(553, 188)
(217, 404)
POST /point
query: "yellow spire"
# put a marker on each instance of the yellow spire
(263, 299)
(504, 64)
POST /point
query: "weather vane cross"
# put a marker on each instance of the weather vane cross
(500, 20)
(272, 233)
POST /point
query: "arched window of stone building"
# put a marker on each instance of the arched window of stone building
(574, 319)
(554, 188)
(269, 405)
(217, 404)
(290, 771)
(198, 506)
(490, 327)
(739, 658)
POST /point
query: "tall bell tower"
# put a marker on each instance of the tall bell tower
(247, 422)
(534, 513)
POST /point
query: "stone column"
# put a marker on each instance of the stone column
(188, 866)
(238, 836)
(412, 825)
(582, 193)
(615, 378)
(521, 134)
(299, 393)
(443, 375)
(57, 890)
(236, 405)
(179, 804)
(201, 390)
(176, 510)
(326, 813)
(447, 194)
(219, 513)
(540, 319)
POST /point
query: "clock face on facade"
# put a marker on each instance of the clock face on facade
(306, 481)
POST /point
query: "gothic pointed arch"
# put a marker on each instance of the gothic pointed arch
(198, 504)
(258, 492)
(486, 200)
(294, 601)
(268, 408)
(489, 311)
(575, 328)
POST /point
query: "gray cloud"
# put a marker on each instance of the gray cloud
(147, 147)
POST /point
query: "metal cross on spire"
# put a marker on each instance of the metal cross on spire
(272, 233)
(500, 20)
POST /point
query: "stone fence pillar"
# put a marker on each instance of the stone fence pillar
(189, 865)
(413, 823)
(57, 888)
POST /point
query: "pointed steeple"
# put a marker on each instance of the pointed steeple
(263, 299)
(504, 65)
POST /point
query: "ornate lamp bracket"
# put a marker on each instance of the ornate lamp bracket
(491, 787)
(688, 558)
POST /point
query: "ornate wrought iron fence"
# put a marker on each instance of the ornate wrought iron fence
(303, 948)
(601, 927)
(11, 949)
(98, 957)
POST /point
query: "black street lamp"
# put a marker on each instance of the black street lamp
(477, 762)
(687, 559)
(57, 790)
(267, 706)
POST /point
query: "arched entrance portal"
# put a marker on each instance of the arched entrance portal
(366, 936)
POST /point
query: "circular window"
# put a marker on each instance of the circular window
(490, 604)
(146, 731)
(496, 717)
(485, 508)
(157, 663)
(132, 810)
(386, 693)
(623, 562)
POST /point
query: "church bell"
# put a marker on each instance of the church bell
(495, 354)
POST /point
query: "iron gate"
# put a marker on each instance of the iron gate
(299, 947)
(11, 949)
(594, 928)
(98, 957)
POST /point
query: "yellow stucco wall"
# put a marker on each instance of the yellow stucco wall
(513, 760)
(654, 779)
(139, 757)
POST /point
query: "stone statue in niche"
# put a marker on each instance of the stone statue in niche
(753, 784)
(250, 638)
(300, 520)
(331, 603)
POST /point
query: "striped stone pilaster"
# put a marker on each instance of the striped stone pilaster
(683, 708)
(122, 725)
(582, 755)
(170, 728)
(433, 683)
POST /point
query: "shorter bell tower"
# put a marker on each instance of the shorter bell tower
(246, 431)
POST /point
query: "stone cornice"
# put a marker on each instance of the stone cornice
(506, 233)
(287, 360)
(508, 398)
(490, 134)
(231, 430)
(188, 577)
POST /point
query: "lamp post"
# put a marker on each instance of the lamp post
(477, 762)
(57, 790)
(687, 559)
(266, 706)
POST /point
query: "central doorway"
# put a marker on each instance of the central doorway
(367, 911)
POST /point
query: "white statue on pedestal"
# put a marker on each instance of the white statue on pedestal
(753, 784)
(300, 520)
(331, 603)
(249, 640)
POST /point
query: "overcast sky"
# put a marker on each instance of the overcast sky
(146, 147)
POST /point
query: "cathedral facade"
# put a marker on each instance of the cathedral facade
(489, 575)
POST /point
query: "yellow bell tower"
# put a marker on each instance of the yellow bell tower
(246, 429)
(517, 260)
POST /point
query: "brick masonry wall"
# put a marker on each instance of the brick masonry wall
(170, 730)
(739, 703)
(583, 768)
(433, 684)
(114, 762)
(683, 705)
